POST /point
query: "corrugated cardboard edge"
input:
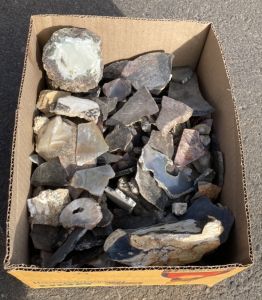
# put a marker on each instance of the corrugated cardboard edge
(23, 267)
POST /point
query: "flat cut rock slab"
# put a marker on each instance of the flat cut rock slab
(47, 97)
(190, 148)
(172, 113)
(82, 212)
(181, 74)
(152, 70)
(50, 174)
(89, 240)
(161, 143)
(190, 95)
(93, 180)
(141, 104)
(47, 206)
(203, 207)
(76, 107)
(114, 70)
(90, 143)
(156, 162)
(119, 138)
(66, 248)
(149, 188)
(170, 244)
(118, 88)
(120, 199)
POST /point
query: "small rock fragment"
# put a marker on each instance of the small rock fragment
(39, 122)
(50, 174)
(93, 180)
(119, 138)
(36, 159)
(125, 172)
(45, 257)
(114, 70)
(133, 222)
(205, 139)
(203, 128)
(44, 236)
(120, 199)
(172, 112)
(108, 158)
(47, 206)
(208, 189)
(118, 88)
(62, 236)
(90, 143)
(89, 240)
(181, 74)
(145, 125)
(218, 165)
(76, 107)
(133, 186)
(106, 105)
(152, 70)
(47, 97)
(203, 163)
(161, 143)
(83, 212)
(139, 105)
(190, 148)
(190, 95)
(179, 208)
(145, 139)
(207, 176)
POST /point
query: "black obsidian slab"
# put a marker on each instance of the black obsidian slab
(88, 241)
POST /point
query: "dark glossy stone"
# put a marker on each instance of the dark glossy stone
(36, 159)
(89, 240)
(133, 222)
(181, 74)
(125, 172)
(119, 138)
(118, 88)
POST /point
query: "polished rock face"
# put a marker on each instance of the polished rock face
(47, 206)
(93, 180)
(139, 105)
(90, 143)
(47, 97)
(152, 70)
(181, 74)
(118, 88)
(72, 58)
(170, 244)
(82, 212)
(76, 107)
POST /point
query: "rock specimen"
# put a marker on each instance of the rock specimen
(89, 240)
(207, 189)
(152, 70)
(149, 188)
(203, 207)
(125, 172)
(93, 180)
(108, 158)
(82, 212)
(50, 174)
(119, 138)
(181, 74)
(55, 139)
(62, 236)
(207, 176)
(102, 232)
(203, 162)
(120, 199)
(76, 107)
(114, 70)
(218, 163)
(103, 261)
(203, 128)
(205, 139)
(161, 143)
(45, 256)
(44, 236)
(170, 244)
(90, 143)
(72, 58)
(139, 105)
(156, 162)
(47, 97)
(107, 216)
(66, 248)
(172, 113)
(39, 122)
(47, 206)
(118, 88)
(179, 208)
(36, 159)
(190, 95)
(190, 148)
(106, 105)
(133, 222)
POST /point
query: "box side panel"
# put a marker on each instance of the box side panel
(124, 38)
(31, 84)
(124, 278)
(216, 88)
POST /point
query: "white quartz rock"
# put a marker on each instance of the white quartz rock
(120, 199)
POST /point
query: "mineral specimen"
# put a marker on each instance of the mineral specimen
(82, 212)
(181, 74)
(107, 216)
(108, 158)
(190, 148)
(93, 180)
(139, 105)
(119, 138)
(161, 143)
(47, 97)
(170, 244)
(72, 59)
(39, 122)
(179, 208)
(203, 128)
(44, 236)
(47, 206)
(172, 113)
(114, 70)
(50, 174)
(106, 105)
(152, 70)
(76, 107)
(190, 95)
(36, 159)
(203, 162)
(89, 240)
(120, 199)
(90, 143)
(133, 222)
(208, 189)
(118, 88)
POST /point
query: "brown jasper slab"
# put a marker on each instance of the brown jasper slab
(161, 143)
(47, 97)
(139, 105)
(190, 148)
(172, 113)
(152, 70)
(208, 189)
(118, 88)
(119, 138)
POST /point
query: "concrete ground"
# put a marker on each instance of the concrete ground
(238, 24)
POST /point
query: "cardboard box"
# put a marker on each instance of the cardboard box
(194, 44)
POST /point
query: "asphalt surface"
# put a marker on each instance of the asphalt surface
(238, 24)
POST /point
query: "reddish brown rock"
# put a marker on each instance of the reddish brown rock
(207, 189)
(161, 143)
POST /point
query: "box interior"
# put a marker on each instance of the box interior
(193, 44)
